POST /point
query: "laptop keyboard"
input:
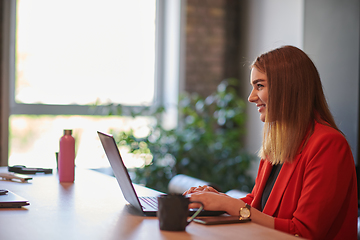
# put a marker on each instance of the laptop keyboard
(152, 201)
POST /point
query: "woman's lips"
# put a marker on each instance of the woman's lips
(261, 107)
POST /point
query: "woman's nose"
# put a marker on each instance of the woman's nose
(252, 97)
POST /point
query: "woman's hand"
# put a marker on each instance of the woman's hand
(215, 201)
(200, 189)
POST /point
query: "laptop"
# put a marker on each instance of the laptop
(9, 199)
(146, 204)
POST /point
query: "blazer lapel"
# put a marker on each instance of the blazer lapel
(280, 185)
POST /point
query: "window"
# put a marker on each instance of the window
(71, 54)
(79, 51)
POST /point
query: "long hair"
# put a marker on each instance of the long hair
(295, 100)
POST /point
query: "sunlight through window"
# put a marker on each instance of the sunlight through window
(80, 51)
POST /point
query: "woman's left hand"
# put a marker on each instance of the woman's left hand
(200, 189)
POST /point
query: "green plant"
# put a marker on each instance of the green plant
(207, 144)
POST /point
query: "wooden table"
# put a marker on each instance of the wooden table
(93, 208)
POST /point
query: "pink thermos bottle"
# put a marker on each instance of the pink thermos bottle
(66, 162)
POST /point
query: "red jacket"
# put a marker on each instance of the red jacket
(315, 196)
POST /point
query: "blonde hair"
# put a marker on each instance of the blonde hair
(295, 100)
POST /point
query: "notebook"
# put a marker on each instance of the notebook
(145, 204)
(9, 199)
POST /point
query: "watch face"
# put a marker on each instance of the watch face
(245, 212)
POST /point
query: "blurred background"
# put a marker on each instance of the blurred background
(70, 64)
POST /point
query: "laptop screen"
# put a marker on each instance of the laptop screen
(119, 169)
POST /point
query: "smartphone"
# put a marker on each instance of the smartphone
(219, 220)
(24, 170)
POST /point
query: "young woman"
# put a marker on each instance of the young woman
(306, 182)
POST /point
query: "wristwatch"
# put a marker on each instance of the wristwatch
(244, 212)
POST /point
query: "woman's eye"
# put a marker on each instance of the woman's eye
(259, 86)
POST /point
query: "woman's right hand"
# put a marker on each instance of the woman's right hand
(200, 189)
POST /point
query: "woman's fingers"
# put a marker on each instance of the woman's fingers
(211, 200)
(194, 205)
(211, 189)
(200, 189)
(191, 190)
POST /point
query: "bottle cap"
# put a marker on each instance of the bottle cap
(67, 132)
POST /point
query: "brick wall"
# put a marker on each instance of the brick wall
(212, 37)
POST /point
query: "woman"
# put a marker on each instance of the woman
(306, 182)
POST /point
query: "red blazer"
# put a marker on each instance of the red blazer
(315, 196)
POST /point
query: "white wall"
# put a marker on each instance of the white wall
(267, 24)
(331, 39)
(170, 68)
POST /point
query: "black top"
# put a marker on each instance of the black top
(270, 184)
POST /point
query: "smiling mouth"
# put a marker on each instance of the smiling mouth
(261, 107)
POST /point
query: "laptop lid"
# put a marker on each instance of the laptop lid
(122, 176)
(12, 200)
(121, 173)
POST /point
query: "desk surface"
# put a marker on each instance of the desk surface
(94, 208)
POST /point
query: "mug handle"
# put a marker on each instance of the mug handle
(196, 213)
